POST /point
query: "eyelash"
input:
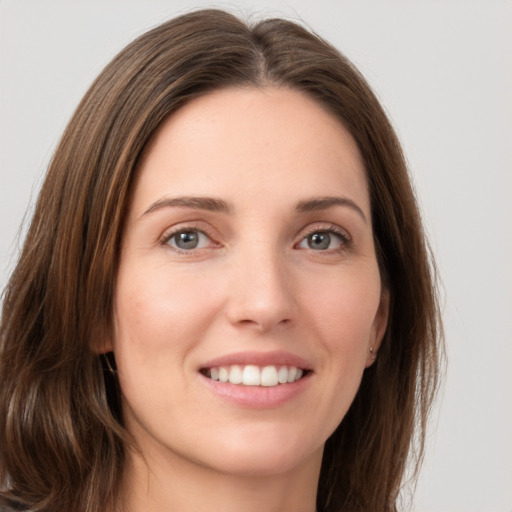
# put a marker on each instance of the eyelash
(344, 237)
(168, 236)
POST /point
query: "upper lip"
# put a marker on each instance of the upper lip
(257, 358)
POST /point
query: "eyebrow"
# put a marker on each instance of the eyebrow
(202, 203)
(219, 205)
(324, 203)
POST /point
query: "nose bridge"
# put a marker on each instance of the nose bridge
(262, 294)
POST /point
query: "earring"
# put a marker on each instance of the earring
(373, 356)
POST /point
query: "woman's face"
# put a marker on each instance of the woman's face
(247, 256)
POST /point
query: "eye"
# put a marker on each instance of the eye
(324, 240)
(188, 239)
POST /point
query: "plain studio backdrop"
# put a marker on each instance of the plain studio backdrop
(443, 70)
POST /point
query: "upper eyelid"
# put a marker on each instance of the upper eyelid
(324, 226)
(180, 228)
(209, 232)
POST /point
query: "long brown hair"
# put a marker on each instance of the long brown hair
(62, 441)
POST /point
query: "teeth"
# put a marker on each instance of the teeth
(282, 375)
(251, 375)
(269, 376)
(235, 375)
(223, 374)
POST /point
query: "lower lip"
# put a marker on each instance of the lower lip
(258, 397)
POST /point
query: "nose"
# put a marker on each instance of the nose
(261, 295)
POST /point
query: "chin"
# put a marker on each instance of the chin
(263, 465)
(264, 453)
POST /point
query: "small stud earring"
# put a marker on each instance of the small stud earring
(372, 354)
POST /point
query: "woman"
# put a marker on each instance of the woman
(225, 297)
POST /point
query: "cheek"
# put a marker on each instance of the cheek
(342, 318)
(347, 306)
(155, 306)
(159, 319)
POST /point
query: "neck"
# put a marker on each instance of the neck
(151, 484)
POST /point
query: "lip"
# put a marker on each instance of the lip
(258, 397)
(275, 358)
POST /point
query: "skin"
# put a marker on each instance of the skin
(254, 283)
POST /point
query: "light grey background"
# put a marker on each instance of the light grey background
(443, 69)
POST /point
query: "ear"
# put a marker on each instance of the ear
(102, 347)
(102, 340)
(379, 326)
(103, 336)
(105, 347)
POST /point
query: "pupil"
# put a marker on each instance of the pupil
(187, 240)
(319, 240)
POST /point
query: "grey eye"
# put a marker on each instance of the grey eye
(188, 240)
(322, 241)
(319, 241)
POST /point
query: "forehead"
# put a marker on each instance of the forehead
(252, 142)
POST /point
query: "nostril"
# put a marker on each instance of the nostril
(264, 324)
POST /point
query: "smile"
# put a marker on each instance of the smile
(253, 375)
